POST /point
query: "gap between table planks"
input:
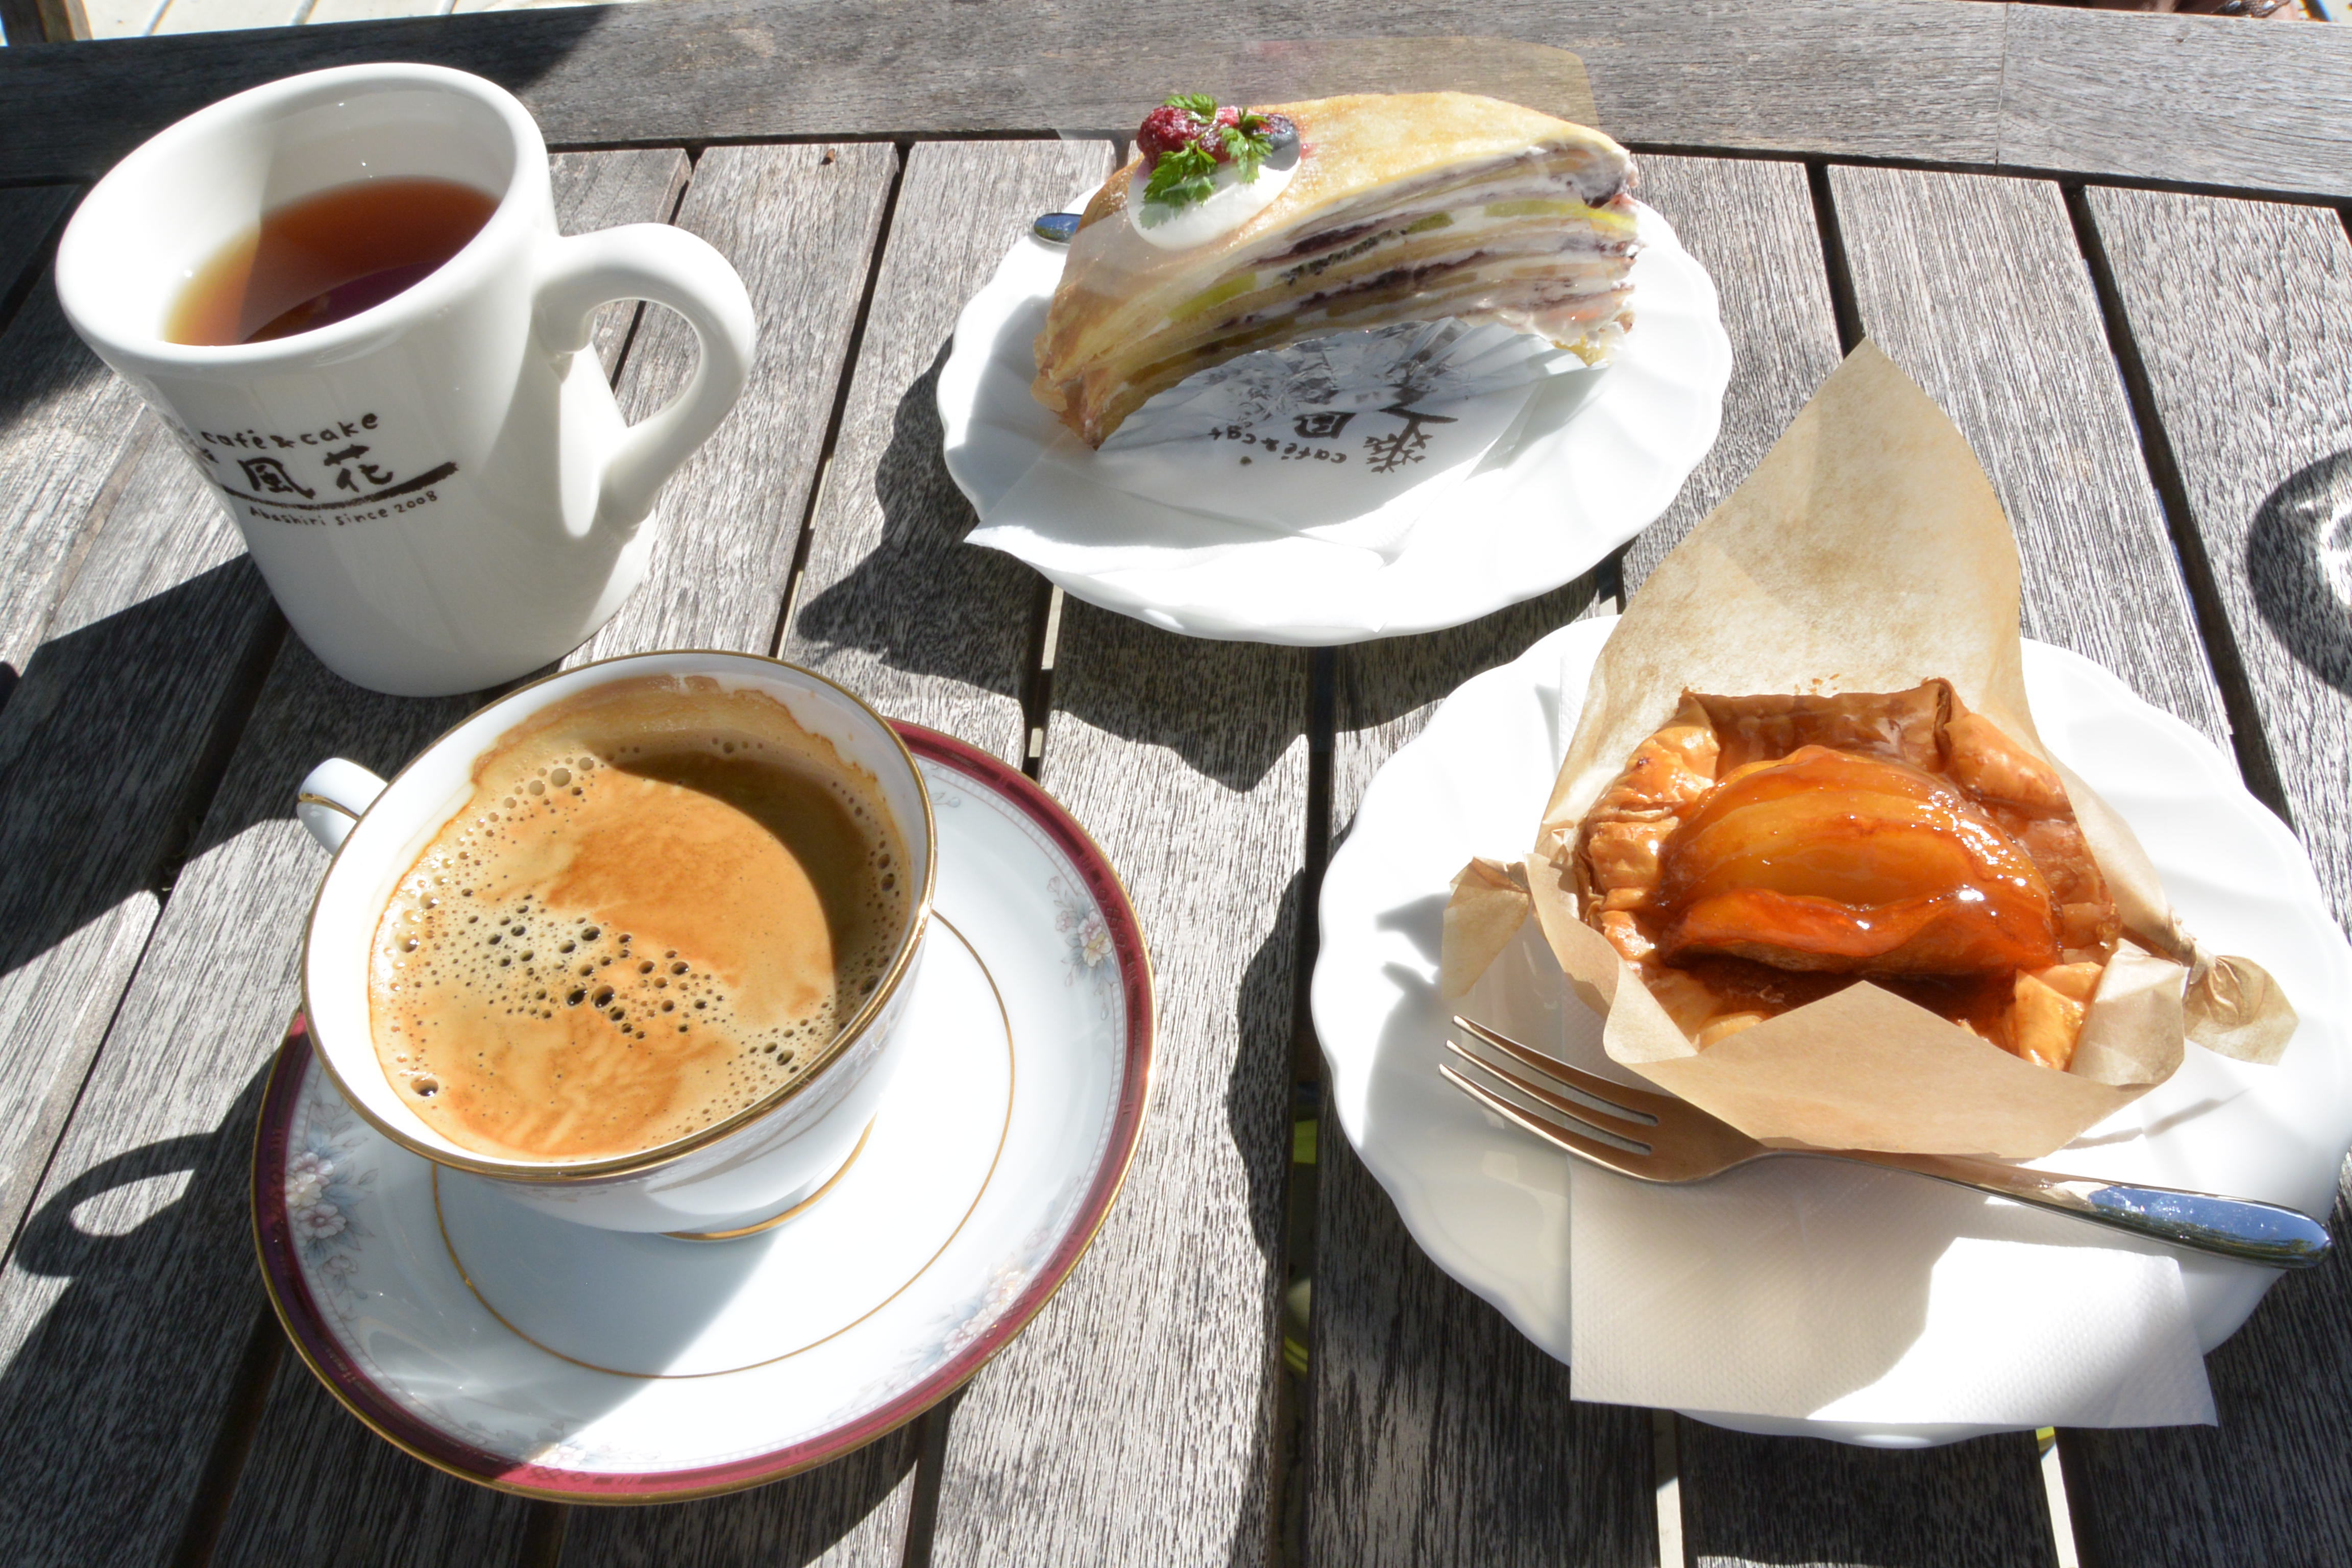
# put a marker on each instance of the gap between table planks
(886, 516)
(190, 627)
(131, 1355)
(1911, 79)
(1699, 1508)
(800, 225)
(2248, 387)
(1975, 286)
(1439, 1434)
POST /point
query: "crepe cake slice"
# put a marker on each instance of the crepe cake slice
(1405, 207)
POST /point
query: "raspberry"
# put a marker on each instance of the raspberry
(1164, 129)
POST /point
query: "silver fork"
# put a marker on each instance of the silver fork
(1656, 1138)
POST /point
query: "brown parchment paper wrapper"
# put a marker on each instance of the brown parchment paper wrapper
(1866, 553)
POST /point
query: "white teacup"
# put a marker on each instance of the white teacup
(732, 1177)
(440, 490)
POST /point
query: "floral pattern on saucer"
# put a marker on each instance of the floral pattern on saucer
(328, 1188)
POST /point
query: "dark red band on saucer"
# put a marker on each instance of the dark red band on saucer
(305, 1324)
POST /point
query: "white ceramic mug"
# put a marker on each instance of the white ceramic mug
(440, 491)
(730, 1178)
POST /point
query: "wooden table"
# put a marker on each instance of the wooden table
(2110, 246)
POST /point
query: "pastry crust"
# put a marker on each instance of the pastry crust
(1757, 853)
(1130, 319)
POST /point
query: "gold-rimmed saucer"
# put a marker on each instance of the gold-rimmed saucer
(524, 1352)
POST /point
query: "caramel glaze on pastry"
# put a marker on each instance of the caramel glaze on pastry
(1758, 853)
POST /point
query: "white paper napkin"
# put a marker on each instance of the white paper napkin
(1817, 1289)
(1807, 1288)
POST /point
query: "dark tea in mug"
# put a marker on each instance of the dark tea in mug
(315, 261)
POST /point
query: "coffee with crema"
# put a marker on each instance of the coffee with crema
(661, 903)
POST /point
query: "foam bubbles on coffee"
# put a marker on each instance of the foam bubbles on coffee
(661, 904)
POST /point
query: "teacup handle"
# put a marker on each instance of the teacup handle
(668, 267)
(332, 800)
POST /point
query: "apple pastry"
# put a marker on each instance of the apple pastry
(1759, 853)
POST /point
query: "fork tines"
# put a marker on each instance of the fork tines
(1598, 1126)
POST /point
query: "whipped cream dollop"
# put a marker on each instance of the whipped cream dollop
(1232, 202)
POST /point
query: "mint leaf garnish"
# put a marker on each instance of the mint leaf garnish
(1182, 177)
(1248, 145)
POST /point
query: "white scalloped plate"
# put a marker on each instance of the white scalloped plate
(1601, 455)
(1489, 1203)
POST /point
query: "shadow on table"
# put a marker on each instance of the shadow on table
(149, 738)
(1381, 681)
(105, 101)
(143, 1312)
(919, 600)
(925, 603)
(153, 1253)
(1257, 1095)
(2299, 565)
(109, 743)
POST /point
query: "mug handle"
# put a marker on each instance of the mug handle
(668, 267)
(332, 800)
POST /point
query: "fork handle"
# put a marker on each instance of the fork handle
(2251, 1232)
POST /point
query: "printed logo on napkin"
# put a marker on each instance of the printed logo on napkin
(1350, 437)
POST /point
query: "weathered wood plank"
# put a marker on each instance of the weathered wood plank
(600, 190)
(126, 1304)
(890, 602)
(65, 423)
(2256, 415)
(2080, 88)
(1799, 1500)
(1133, 1420)
(320, 1488)
(152, 651)
(2250, 384)
(146, 666)
(380, 1496)
(1752, 226)
(850, 1514)
(1901, 78)
(2150, 98)
(798, 225)
(1440, 1435)
(124, 1311)
(28, 217)
(1975, 286)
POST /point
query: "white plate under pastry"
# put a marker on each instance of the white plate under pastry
(1489, 1203)
(518, 1351)
(1599, 455)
